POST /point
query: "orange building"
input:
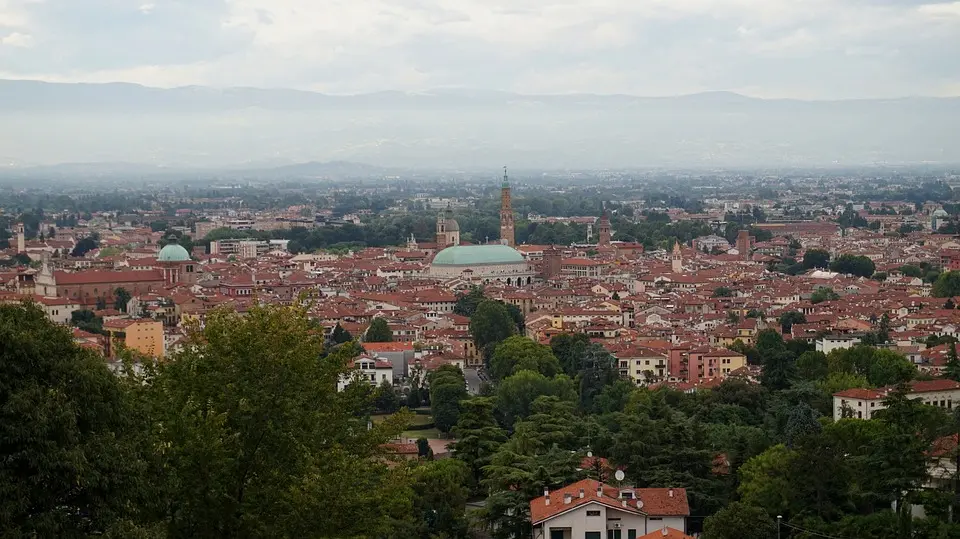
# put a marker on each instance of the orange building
(143, 335)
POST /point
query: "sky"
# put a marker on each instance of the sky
(808, 49)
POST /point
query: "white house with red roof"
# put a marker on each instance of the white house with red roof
(368, 369)
(863, 403)
(589, 509)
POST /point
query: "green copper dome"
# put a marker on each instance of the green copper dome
(469, 255)
(173, 252)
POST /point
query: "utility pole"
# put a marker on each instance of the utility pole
(779, 518)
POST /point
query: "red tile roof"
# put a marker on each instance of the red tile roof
(666, 533)
(656, 501)
(104, 277)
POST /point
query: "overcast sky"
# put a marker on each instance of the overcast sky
(767, 48)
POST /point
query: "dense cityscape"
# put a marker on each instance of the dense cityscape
(349, 351)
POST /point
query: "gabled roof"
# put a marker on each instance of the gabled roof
(659, 502)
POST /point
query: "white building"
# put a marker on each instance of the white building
(863, 403)
(368, 369)
(483, 264)
(589, 509)
(830, 343)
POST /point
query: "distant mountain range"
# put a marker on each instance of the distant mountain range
(261, 129)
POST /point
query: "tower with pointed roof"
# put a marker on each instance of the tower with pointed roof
(676, 259)
(506, 212)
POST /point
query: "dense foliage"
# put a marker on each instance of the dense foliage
(242, 434)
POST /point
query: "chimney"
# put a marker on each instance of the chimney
(567, 498)
(671, 493)
(599, 491)
(623, 503)
(581, 493)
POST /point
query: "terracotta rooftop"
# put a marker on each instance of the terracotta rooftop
(655, 501)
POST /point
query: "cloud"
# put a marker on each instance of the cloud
(16, 39)
(816, 48)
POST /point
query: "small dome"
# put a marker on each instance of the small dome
(468, 255)
(452, 225)
(173, 252)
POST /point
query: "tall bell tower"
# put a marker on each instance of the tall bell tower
(506, 212)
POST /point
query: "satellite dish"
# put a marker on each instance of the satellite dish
(639, 504)
(619, 475)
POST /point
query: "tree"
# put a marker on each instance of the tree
(101, 304)
(769, 344)
(84, 246)
(440, 498)
(71, 462)
(515, 394)
(779, 370)
(158, 226)
(947, 285)
(570, 350)
(385, 399)
(765, 480)
(816, 258)
(952, 370)
(890, 368)
(911, 271)
(378, 331)
(858, 265)
(722, 292)
(340, 335)
(949, 305)
(789, 318)
(490, 324)
(478, 435)
(423, 449)
(123, 297)
(598, 372)
(520, 353)
(812, 366)
(257, 437)
(447, 389)
(823, 294)
(467, 303)
(897, 454)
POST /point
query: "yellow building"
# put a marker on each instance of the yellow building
(143, 335)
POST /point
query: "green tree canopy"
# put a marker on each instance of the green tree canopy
(816, 258)
(122, 298)
(378, 331)
(823, 294)
(722, 292)
(71, 459)
(478, 435)
(467, 303)
(256, 437)
(516, 393)
(858, 265)
(947, 285)
(490, 324)
(789, 318)
(447, 389)
(340, 335)
(518, 353)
